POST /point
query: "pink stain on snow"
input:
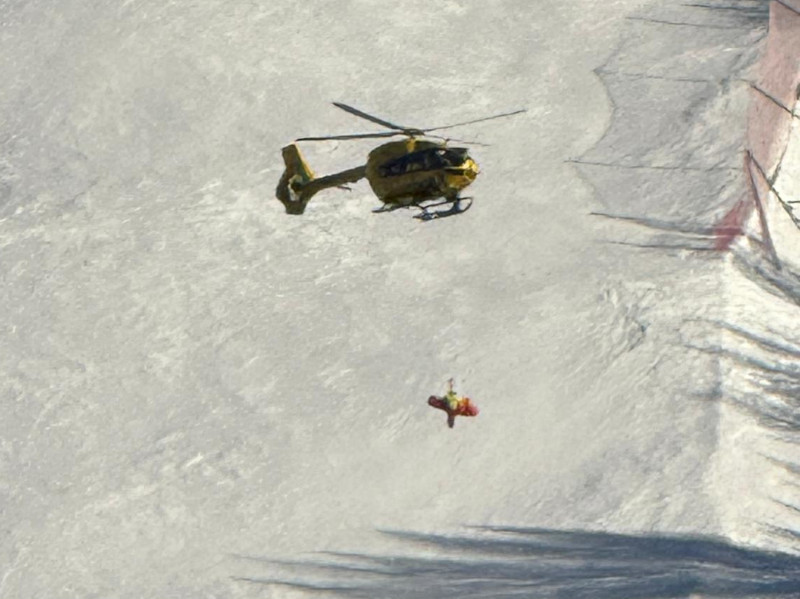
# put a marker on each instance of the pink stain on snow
(731, 225)
(769, 121)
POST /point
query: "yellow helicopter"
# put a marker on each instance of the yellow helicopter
(411, 173)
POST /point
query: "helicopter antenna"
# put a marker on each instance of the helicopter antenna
(486, 118)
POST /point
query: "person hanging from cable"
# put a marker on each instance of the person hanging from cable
(453, 405)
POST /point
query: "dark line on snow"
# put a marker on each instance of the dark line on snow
(656, 168)
(782, 3)
(755, 11)
(771, 186)
(664, 246)
(682, 24)
(772, 98)
(672, 227)
(661, 77)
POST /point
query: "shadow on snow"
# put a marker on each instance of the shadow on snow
(533, 562)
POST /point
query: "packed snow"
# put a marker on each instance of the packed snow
(197, 385)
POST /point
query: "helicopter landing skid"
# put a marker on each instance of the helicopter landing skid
(388, 208)
(457, 206)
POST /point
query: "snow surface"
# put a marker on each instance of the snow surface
(193, 378)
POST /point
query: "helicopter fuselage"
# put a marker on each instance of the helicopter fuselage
(414, 170)
(407, 173)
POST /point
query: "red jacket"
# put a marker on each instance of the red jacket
(463, 407)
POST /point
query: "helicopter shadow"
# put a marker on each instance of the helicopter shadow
(506, 562)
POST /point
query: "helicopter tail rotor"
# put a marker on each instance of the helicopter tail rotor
(295, 178)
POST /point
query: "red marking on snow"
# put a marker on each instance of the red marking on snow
(731, 225)
(769, 120)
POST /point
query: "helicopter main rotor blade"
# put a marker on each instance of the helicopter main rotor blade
(486, 118)
(351, 136)
(369, 117)
(459, 141)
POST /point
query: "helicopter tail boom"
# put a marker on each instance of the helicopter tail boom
(298, 184)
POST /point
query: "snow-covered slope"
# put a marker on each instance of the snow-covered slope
(760, 342)
(190, 375)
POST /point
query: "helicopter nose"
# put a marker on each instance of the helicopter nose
(471, 169)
